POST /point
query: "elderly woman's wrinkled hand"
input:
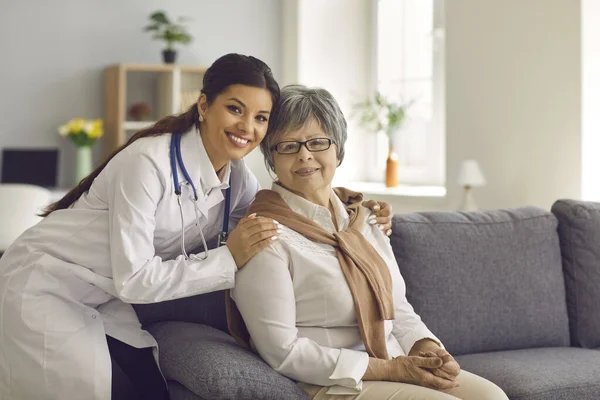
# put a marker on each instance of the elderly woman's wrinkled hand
(449, 369)
(382, 215)
(415, 370)
(419, 371)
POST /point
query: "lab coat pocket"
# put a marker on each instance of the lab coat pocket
(48, 304)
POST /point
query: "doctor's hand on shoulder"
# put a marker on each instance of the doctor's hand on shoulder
(382, 215)
(251, 235)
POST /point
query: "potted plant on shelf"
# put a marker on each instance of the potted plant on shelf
(83, 133)
(381, 115)
(168, 31)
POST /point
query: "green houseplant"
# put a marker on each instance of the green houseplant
(168, 31)
(378, 114)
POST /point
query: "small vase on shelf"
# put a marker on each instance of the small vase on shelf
(83, 166)
(391, 171)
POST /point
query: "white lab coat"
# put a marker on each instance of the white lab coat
(68, 281)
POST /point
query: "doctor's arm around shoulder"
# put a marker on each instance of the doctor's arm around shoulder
(133, 186)
(139, 274)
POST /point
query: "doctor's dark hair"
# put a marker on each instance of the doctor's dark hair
(228, 70)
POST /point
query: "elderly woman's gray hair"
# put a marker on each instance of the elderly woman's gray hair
(297, 105)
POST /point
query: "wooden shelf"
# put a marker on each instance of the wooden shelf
(376, 188)
(159, 68)
(175, 88)
(137, 125)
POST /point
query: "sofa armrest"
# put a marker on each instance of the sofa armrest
(212, 365)
(579, 231)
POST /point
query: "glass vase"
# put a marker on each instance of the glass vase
(83, 163)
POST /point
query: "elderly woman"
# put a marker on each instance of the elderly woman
(325, 305)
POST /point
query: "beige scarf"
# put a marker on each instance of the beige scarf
(366, 273)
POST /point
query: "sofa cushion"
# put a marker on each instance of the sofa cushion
(210, 364)
(557, 373)
(484, 281)
(579, 231)
(207, 309)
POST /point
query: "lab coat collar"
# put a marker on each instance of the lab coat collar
(199, 166)
(315, 212)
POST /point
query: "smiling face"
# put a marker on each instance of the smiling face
(234, 123)
(308, 174)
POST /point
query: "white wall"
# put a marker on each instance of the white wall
(53, 54)
(513, 98)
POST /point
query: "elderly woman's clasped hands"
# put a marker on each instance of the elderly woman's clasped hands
(449, 369)
(444, 374)
(433, 367)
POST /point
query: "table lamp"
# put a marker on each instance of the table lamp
(469, 176)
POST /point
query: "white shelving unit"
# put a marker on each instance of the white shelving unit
(137, 125)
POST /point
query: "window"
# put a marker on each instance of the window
(410, 68)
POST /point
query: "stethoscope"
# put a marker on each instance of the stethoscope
(175, 152)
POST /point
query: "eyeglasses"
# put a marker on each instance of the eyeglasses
(313, 145)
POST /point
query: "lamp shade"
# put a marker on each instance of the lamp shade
(470, 174)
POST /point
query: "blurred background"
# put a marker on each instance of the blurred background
(500, 96)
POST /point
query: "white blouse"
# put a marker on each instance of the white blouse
(299, 310)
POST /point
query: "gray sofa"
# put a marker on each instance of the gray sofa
(513, 294)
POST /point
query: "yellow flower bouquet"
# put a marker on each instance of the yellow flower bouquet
(82, 132)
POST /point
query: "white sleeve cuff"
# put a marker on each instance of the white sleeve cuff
(349, 370)
(344, 391)
(228, 261)
(408, 341)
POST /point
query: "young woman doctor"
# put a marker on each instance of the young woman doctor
(120, 237)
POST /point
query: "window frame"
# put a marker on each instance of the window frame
(433, 170)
